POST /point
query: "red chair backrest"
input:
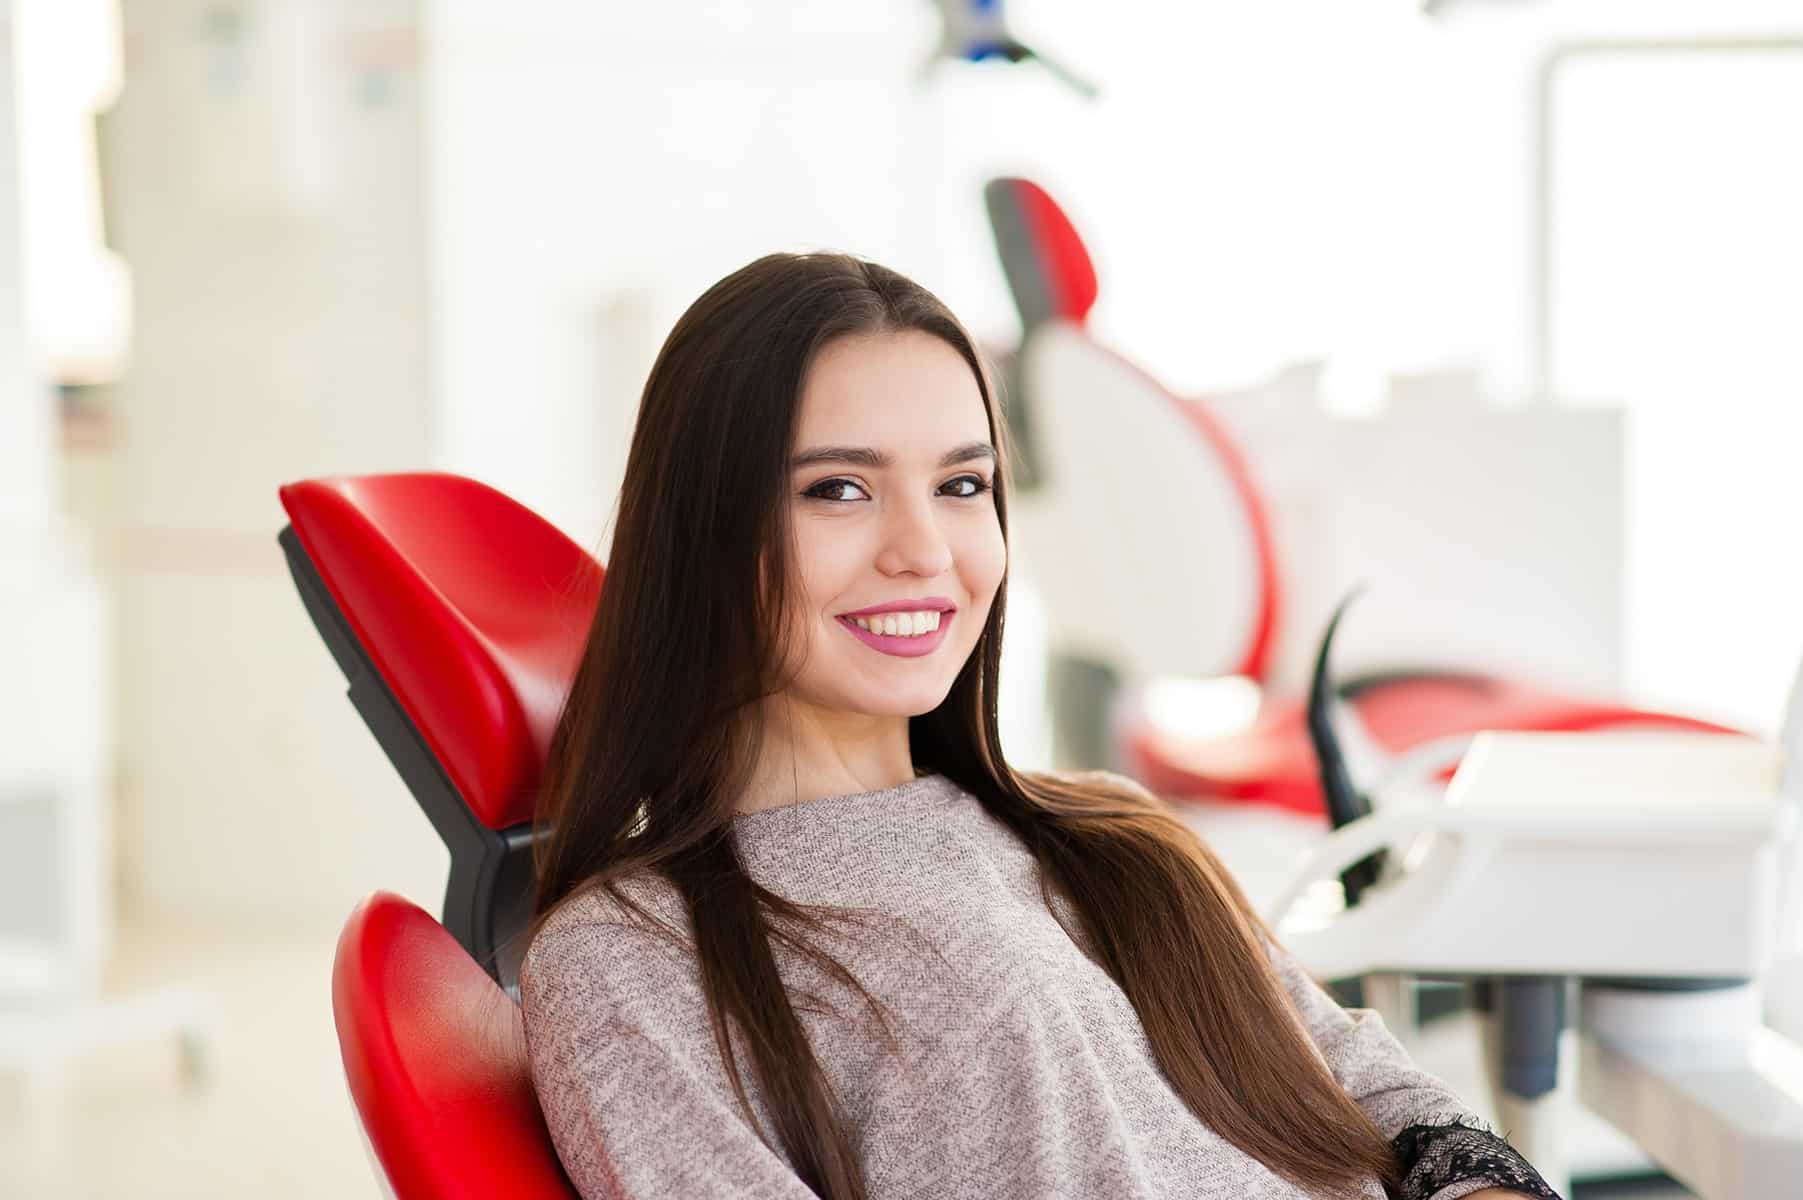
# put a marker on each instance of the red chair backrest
(435, 1056)
(1048, 267)
(473, 609)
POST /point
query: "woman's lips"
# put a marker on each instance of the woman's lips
(901, 647)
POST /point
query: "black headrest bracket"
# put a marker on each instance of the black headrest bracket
(488, 897)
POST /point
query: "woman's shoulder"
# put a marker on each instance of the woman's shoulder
(1101, 785)
(600, 936)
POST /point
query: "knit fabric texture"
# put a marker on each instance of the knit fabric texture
(1009, 1063)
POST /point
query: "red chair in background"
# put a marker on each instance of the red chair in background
(1157, 558)
(458, 617)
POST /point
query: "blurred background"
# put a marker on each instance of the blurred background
(1500, 298)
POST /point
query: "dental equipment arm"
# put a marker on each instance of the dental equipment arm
(1644, 866)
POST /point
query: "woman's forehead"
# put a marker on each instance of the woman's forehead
(892, 391)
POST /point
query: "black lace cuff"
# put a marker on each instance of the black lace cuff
(1463, 1150)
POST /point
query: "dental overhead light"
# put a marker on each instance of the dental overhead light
(977, 31)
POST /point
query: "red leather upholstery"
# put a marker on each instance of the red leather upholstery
(435, 1056)
(1062, 257)
(472, 607)
(1272, 763)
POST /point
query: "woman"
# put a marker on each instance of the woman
(802, 930)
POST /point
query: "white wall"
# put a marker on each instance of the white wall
(1679, 287)
(27, 462)
(264, 179)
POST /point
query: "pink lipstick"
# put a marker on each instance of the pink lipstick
(900, 647)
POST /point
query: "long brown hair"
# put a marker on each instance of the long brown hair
(661, 729)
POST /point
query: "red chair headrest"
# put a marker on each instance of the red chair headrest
(435, 1056)
(1047, 266)
(473, 609)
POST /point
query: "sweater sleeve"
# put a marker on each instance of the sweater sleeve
(1446, 1152)
(627, 1073)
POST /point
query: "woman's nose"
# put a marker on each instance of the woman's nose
(913, 543)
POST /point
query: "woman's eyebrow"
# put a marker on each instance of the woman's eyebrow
(876, 460)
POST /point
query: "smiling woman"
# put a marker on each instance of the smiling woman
(802, 930)
(897, 554)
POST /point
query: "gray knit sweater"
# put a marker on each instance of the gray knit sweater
(1019, 1068)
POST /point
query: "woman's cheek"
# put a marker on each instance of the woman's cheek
(992, 562)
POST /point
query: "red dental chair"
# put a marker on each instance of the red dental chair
(458, 617)
(1182, 518)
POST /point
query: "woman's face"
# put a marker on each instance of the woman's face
(891, 508)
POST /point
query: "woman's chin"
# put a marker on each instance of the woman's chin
(893, 703)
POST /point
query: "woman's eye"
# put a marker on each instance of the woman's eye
(969, 486)
(826, 487)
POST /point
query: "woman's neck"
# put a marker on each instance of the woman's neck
(808, 755)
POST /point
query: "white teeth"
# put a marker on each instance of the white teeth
(912, 624)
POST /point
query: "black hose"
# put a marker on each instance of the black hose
(1345, 803)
